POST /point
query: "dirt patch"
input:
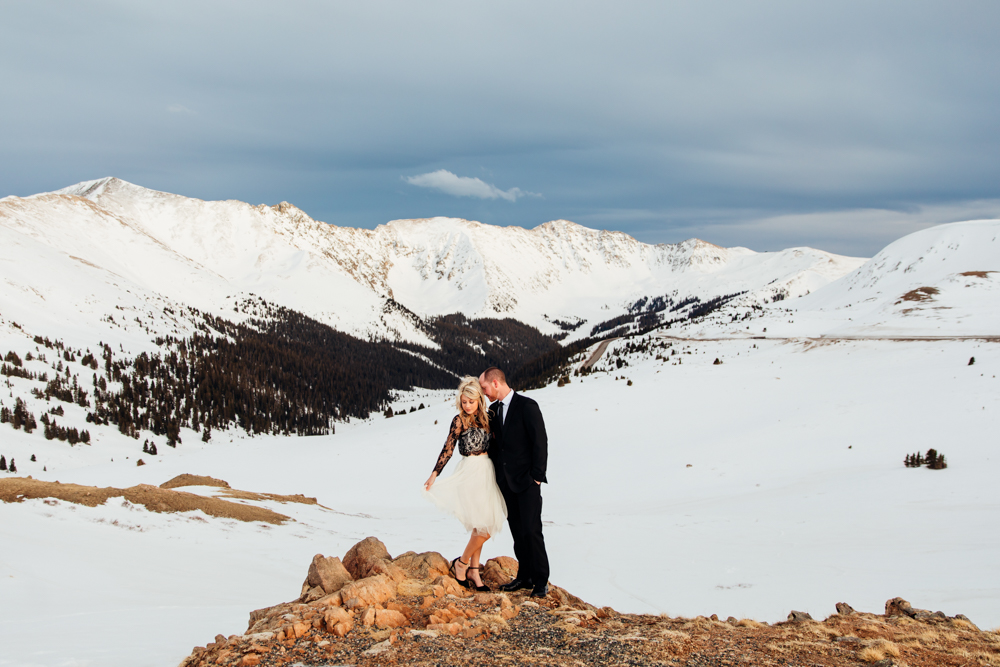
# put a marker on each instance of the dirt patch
(153, 498)
(201, 480)
(976, 274)
(250, 495)
(194, 480)
(920, 294)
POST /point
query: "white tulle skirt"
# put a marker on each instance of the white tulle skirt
(471, 494)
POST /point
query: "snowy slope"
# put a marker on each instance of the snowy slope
(109, 241)
(771, 482)
(942, 281)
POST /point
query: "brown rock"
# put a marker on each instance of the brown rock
(368, 591)
(450, 586)
(389, 569)
(313, 594)
(401, 608)
(845, 609)
(799, 616)
(427, 565)
(414, 588)
(499, 571)
(899, 607)
(250, 660)
(337, 616)
(300, 629)
(333, 600)
(389, 618)
(508, 613)
(368, 618)
(327, 573)
(341, 629)
(360, 558)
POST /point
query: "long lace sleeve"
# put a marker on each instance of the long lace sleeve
(449, 445)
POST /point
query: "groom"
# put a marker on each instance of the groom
(520, 451)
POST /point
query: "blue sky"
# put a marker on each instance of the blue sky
(839, 125)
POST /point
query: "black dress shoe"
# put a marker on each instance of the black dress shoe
(516, 585)
(540, 591)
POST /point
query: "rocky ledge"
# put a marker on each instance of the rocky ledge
(372, 609)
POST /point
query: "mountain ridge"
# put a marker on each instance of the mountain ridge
(202, 252)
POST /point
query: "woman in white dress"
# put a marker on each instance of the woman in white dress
(471, 492)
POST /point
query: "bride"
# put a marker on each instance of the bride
(471, 492)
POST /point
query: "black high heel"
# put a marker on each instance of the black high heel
(464, 583)
(480, 589)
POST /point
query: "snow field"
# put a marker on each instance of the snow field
(796, 498)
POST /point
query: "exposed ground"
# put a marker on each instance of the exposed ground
(153, 498)
(403, 612)
(541, 635)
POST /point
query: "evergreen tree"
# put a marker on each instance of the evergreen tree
(3, 462)
(13, 466)
(33, 459)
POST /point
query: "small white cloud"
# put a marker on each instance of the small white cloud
(179, 108)
(464, 186)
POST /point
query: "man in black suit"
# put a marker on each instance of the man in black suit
(519, 450)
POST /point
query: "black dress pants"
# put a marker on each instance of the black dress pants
(524, 516)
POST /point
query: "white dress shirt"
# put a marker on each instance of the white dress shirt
(506, 405)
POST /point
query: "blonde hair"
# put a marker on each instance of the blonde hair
(469, 386)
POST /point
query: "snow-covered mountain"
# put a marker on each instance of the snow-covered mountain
(115, 260)
(941, 281)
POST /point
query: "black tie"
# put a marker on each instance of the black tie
(500, 414)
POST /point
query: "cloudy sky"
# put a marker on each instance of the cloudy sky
(839, 125)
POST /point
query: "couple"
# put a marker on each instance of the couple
(504, 452)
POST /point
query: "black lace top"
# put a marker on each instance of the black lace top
(470, 441)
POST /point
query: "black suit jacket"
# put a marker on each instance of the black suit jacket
(520, 449)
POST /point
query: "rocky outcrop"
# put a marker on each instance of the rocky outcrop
(371, 609)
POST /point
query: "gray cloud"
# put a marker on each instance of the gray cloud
(656, 118)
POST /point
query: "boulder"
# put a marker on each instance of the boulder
(389, 618)
(332, 600)
(414, 588)
(389, 569)
(335, 616)
(328, 574)
(450, 586)
(427, 565)
(313, 594)
(797, 616)
(368, 591)
(845, 609)
(499, 571)
(899, 607)
(360, 558)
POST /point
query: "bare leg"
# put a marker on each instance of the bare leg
(471, 555)
(475, 546)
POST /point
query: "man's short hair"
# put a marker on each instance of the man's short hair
(493, 373)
